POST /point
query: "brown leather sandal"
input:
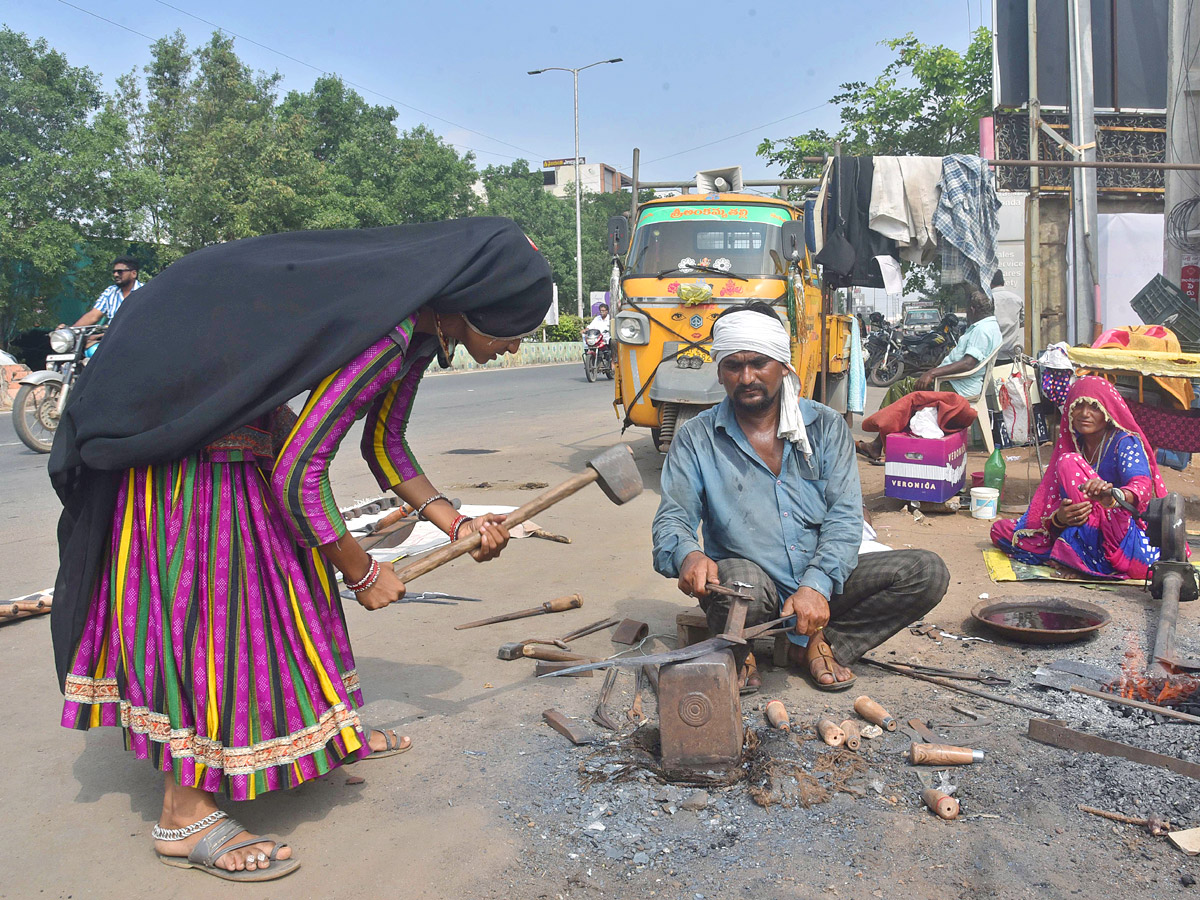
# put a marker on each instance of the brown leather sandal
(749, 682)
(824, 660)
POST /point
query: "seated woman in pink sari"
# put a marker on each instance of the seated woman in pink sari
(1073, 519)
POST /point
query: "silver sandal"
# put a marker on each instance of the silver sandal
(215, 844)
(393, 744)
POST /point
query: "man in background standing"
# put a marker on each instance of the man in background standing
(1010, 315)
(125, 282)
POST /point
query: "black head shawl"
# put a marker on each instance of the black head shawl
(233, 331)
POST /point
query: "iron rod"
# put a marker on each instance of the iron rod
(995, 698)
(1164, 635)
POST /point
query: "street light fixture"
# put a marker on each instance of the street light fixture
(578, 219)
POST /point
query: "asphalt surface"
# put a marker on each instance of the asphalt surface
(460, 413)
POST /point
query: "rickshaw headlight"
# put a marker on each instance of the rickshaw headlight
(62, 340)
(633, 328)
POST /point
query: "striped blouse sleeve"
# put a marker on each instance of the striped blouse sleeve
(384, 443)
(300, 479)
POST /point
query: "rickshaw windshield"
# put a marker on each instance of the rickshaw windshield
(740, 240)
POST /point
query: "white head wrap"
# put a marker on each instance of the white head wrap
(747, 330)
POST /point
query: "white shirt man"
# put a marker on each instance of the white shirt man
(600, 322)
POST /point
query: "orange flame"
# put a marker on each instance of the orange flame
(1135, 684)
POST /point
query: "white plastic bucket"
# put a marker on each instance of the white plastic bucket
(985, 502)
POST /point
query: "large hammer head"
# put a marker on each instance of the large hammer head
(617, 474)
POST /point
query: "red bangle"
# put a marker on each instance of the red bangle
(457, 524)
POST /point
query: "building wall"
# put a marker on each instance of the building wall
(598, 178)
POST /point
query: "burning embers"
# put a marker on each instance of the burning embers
(1160, 684)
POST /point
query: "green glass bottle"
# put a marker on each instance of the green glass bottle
(993, 470)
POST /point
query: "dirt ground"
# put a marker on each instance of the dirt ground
(491, 803)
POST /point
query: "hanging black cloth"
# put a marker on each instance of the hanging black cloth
(233, 331)
(848, 257)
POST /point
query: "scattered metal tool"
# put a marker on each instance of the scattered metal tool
(936, 633)
(601, 716)
(630, 632)
(548, 536)
(515, 649)
(978, 719)
(635, 714)
(558, 604)
(979, 677)
(574, 731)
(543, 667)
(925, 732)
(995, 698)
(1056, 733)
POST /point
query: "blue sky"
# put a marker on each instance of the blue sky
(694, 73)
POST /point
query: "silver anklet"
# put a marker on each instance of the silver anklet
(178, 834)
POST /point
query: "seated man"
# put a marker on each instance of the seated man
(981, 339)
(771, 477)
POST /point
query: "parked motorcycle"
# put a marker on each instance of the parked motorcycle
(597, 354)
(911, 354)
(43, 395)
(877, 340)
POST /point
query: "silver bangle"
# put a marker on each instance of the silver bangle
(369, 581)
(421, 508)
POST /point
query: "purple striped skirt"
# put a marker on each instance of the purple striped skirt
(213, 640)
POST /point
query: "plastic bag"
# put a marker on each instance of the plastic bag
(924, 423)
(1014, 406)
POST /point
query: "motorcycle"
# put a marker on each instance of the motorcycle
(877, 340)
(911, 354)
(597, 354)
(43, 395)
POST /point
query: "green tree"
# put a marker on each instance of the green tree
(60, 147)
(434, 182)
(926, 102)
(516, 191)
(245, 170)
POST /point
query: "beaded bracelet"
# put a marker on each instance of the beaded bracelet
(367, 581)
(421, 508)
(458, 523)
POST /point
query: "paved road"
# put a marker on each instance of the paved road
(462, 415)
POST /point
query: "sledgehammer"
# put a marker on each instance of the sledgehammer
(613, 470)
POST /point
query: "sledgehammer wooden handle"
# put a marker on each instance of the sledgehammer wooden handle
(543, 501)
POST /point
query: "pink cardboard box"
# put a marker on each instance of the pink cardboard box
(924, 469)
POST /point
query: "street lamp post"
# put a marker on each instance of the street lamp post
(578, 217)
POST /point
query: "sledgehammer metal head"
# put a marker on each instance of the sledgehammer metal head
(617, 474)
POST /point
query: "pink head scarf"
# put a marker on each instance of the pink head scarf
(1047, 497)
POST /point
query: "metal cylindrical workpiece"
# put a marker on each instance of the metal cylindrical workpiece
(942, 755)
(853, 736)
(874, 713)
(777, 715)
(945, 806)
(830, 733)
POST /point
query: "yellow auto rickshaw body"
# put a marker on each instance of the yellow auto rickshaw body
(691, 257)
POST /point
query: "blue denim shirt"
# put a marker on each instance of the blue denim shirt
(803, 527)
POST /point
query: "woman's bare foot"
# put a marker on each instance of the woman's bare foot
(184, 805)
